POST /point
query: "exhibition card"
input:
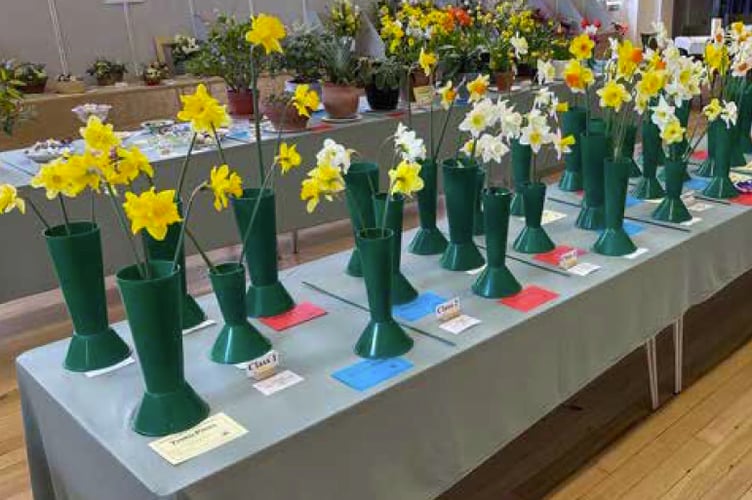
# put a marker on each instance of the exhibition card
(370, 372)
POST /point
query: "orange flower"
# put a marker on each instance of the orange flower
(461, 16)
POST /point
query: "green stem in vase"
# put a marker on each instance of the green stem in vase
(38, 213)
(184, 227)
(65, 214)
(121, 220)
(207, 261)
(184, 167)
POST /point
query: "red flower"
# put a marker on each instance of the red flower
(584, 23)
(597, 23)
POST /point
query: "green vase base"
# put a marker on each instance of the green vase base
(160, 414)
(570, 181)
(648, 188)
(192, 313)
(706, 168)
(269, 300)
(517, 207)
(591, 218)
(496, 282)
(354, 267)
(428, 241)
(533, 240)
(382, 340)
(402, 291)
(634, 169)
(461, 257)
(672, 210)
(720, 188)
(614, 243)
(95, 351)
(239, 343)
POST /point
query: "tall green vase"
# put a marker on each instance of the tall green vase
(165, 250)
(496, 280)
(383, 337)
(238, 341)
(362, 182)
(707, 167)
(628, 147)
(77, 260)
(460, 188)
(672, 208)
(266, 296)
(573, 123)
(720, 185)
(522, 156)
(533, 238)
(648, 187)
(745, 122)
(478, 226)
(428, 240)
(153, 309)
(594, 150)
(402, 291)
(614, 240)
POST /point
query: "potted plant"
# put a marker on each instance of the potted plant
(290, 111)
(560, 55)
(502, 64)
(154, 73)
(225, 54)
(107, 72)
(381, 79)
(340, 96)
(69, 84)
(344, 20)
(32, 76)
(184, 48)
(302, 57)
(11, 99)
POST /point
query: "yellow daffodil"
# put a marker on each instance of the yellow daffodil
(628, 59)
(81, 172)
(132, 163)
(99, 136)
(652, 83)
(405, 178)
(427, 61)
(52, 179)
(478, 88)
(305, 100)
(153, 211)
(562, 107)
(716, 57)
(223, 183)
(581, 47)
(9, 200)
(311, 193)
(203, 111)
(673, 132)
(577, 76)
(324, 180)
(613, 95)
(448, 95)
(266, 31)
(713, 110)
(288, 157)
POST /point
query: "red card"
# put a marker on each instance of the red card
(297, 315)
(320, 127)
(700, 155)
(395, 114)
(554, 255)
(743, 199)
(529, 298)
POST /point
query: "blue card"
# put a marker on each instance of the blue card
(696, 184)
(366, 374)
(632, 201)
(632, 228)
(423, 305)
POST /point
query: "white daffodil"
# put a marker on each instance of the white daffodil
(663, 112)
(661, 34)
(476, 122)
(519, 44)
(410, 147)
(562, 144)
(509, 119)
(537, 119)
(536, 137)
(729, 113)
(335, 155)
(546, 72)
(491, 148)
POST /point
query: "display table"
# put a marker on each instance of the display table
(412, 436)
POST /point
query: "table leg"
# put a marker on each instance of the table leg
(650, 351)
(678, 354)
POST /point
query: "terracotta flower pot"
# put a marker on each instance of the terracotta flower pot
(340, 101)
(504, 80)
(285, 117)
(240, 102)
(417, 79)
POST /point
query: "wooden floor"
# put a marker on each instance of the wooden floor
(604, 443)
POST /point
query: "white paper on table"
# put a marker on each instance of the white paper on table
(692, 221)
(584, 268)
(459, 324)
(278, 382)
(204, 324)
(636, 253)
(213, 432)
(476, 270)
(700, 206)
(550, 216)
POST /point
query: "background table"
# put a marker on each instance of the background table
(417, 433)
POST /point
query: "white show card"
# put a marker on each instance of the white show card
(699, 206)
(459, 324)
(636, 253)
(209, 434)
(95, 373)
(691, 222)
(550, 216)
(278, 382)
(584, 268)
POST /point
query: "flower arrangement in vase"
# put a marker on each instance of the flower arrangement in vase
(107, 72)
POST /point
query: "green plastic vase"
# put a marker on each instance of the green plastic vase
(573, 123)
(478, 226)
(672, 208)
(707, 166)
(460, 188)
(361, 183)
(402, 291)
(720, 185)
(628, 147)
(614, 240)
(428, 240)
(383, 337)
(266, 295)
(238, 341)
(648, 187)
(77, 261)
(522, 156)
(153, 308)
(594, 150)
(745, 122)
(192, 314)
(496, 280)
(533, 238)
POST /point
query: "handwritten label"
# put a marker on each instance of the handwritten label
(459, 324)
(423, 95)
(209, 434)
(278, 382)
(568, 259)
(263, 367)
(448, 310)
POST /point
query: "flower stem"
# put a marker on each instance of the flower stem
(200, 251)
(121, 220)
(184, 168)
(256, 116)
(184, 227)
(38, 213)
(219, 146)
(65, 214)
